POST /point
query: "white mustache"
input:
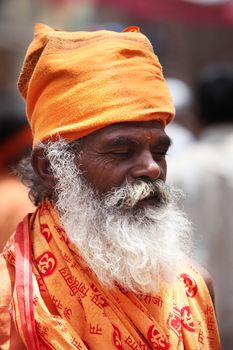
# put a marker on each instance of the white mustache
(128, 196)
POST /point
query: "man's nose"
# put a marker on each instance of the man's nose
(146, 167)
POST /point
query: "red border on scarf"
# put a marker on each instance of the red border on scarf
(24, 287)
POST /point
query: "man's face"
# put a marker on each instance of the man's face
(115, 207)
(123, 153)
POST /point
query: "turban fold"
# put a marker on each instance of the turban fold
(75, 83)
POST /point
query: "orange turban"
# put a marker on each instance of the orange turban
(77, 82)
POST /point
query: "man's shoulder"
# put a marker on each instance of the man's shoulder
(203, 276)
(7, 281)
(207, 278)
(9, 338)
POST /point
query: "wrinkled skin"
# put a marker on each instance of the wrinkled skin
(124, 152)
(117, 154)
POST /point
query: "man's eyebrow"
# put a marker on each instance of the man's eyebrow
(121, 141)
(126, 141)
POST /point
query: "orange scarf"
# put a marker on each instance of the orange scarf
(59, 304)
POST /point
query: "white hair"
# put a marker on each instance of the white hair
(134, 247)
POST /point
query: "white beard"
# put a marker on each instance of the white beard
(136, 248)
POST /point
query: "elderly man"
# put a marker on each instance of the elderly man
(102, 263)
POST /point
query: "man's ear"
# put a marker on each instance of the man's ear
(40, 164)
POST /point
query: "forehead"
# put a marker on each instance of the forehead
(132, 130)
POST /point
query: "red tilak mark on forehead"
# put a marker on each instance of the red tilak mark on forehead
(148, 136)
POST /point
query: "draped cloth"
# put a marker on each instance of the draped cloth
(75, 83)
(58, 302)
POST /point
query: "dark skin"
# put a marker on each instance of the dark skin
(116, 154)
(123, 153)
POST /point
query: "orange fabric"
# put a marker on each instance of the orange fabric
(9, 337)
(73, 310)
(77, 82)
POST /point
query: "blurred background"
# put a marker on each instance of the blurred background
(186, 34)
(194, 41)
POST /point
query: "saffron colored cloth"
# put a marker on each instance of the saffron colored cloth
(58, 303)
(75, 83)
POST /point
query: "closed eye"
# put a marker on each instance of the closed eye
(121, 153)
